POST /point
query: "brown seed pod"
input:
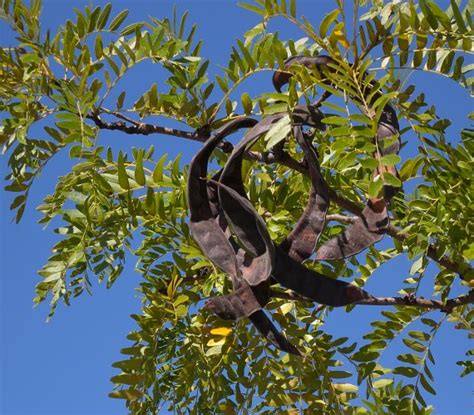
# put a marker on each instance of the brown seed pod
(209, 232)
(369, 228)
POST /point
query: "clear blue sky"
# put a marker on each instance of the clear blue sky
(63, 367)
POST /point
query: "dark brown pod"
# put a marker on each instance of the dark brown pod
(208, 229)
(301, 242)
(370, 227)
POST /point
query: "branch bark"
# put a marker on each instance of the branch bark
(408, 301)
(421, 302)
(143, 128)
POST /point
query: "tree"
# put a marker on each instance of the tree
(180, 355)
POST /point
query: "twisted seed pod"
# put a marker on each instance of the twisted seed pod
(209, 233)
(370, 226)
(301, 242)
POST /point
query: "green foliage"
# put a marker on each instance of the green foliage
(178, 356)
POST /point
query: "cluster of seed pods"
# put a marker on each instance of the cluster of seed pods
(234, 236)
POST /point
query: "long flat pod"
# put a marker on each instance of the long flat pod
(256, 260)
(208, 232)
(367, 229)
(204, 227)
(370, 226)
(242, 222)
(301, 242)
(256, 268)
(249, 227)
(311, 284)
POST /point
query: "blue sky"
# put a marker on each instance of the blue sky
(63, 367)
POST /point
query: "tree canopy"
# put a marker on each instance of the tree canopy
(113, 204)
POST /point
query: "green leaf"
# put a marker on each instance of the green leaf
(104, 16)
(127, 379)
(128, 394)
(339, 374)
(381, 383)
(345, 387)
(128, 365)
(390, 159)
(409, 372)
(98, 47)
(122, 173)
(293, 8)
(335, 120)
(278, 132)
(326, 22)
(388, 45)
(441, 16)
(375, 187)
(420, 204)
(246, 103)
(458, 16)
(253, 8)
(246, 54)
(414, 345)
(120, 100)
(410, 358)
(417, 266)
(391, 180)
(426, 386)
(419, 335)
(410, 168)
(113, 65)
(428, 14)
(118, 20)
(139, 171)
(222, 84)
(369, 163)
(158, 171)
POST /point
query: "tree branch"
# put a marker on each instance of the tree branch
(421, 302)
(143, 128)
(407, 301)
(391, 301)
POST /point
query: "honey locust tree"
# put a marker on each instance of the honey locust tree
(181, 357)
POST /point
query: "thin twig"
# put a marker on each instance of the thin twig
(420, 302)
(341, 218)
(409, 301)
(145, 128)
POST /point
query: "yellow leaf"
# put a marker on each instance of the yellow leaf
(221, 331)
(338, 34)
(214, 342)
(286, 308)
(346, 387)
(129, 394)
(226, 409)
